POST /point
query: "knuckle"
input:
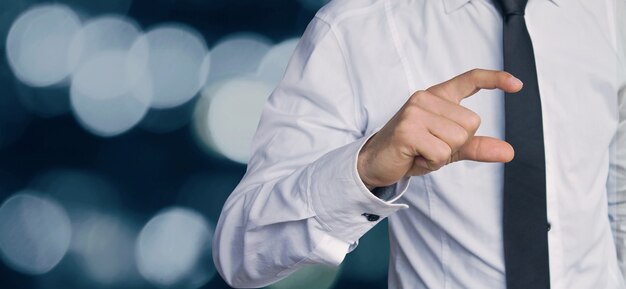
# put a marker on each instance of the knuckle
(420, 97)
(412, 115)
(410, 111)
(473, 121)
(405, 131)
(460, 138)
(473, 73)
(441, 156)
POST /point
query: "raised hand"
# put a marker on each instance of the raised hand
(432, 130)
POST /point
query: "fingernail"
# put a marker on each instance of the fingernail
(515, 81)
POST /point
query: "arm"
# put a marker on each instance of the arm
(301, 201)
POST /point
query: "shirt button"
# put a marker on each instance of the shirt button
(371, 217)
(548, 226)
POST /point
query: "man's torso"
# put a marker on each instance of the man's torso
(450, 237)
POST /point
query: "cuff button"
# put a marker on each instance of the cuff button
(371, 217)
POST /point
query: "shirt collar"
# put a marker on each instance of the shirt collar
(452, 5)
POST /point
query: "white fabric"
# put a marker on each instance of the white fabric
(301, 200)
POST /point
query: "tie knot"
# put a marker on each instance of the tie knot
(512, 7)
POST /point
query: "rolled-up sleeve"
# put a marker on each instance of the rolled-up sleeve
(301, 201)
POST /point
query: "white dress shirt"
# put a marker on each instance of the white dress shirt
(301, 200)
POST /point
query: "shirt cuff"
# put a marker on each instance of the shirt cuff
(342, 203)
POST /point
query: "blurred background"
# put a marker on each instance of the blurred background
(124, 126)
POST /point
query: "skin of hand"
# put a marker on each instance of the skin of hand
(432, 130)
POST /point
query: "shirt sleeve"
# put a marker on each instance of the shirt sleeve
(301, 200)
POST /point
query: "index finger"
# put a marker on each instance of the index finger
(470, 82)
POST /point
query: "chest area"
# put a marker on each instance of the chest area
(576, 65)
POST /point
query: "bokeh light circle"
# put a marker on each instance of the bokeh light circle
(105, 33)
(238, 55)
(107, 98)
(103, 234)
(173, 249)
(274, 63)
(228, 115)
(38, 43)
(105, 244)
(177, 65)
(35, 232)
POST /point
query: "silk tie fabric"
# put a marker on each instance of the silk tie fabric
(525, 225)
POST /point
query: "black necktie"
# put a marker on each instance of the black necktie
(525, 226)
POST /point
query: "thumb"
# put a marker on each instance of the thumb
(485, 149)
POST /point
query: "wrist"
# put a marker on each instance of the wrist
(361, 168)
